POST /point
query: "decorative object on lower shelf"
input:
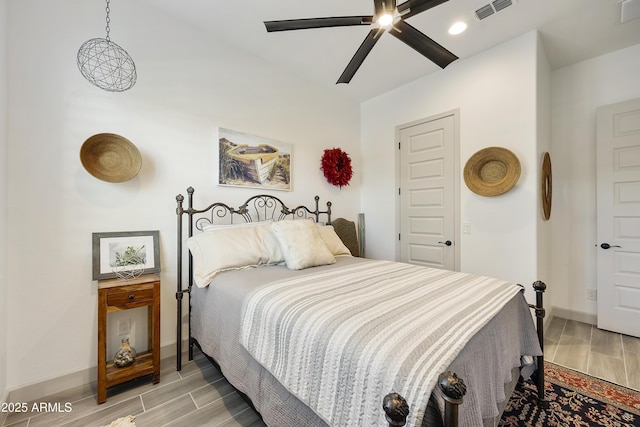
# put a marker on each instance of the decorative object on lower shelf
(126, 355)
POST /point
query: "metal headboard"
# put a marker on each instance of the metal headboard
(262, 207)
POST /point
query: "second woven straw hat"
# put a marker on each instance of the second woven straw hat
(492, 171)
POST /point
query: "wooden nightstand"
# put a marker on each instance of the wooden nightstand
(117, 295)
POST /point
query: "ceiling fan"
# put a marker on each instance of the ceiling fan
(387, 17)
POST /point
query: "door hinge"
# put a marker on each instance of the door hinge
(399, 191)
(398, 145)
(399, 236)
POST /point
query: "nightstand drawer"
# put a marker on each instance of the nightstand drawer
(129, 297)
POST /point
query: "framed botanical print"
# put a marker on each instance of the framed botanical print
(125, 254)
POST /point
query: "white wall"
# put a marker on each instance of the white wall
(577, 91)
(3, 201)
(496, 94)
(188, 84)
(543, 107)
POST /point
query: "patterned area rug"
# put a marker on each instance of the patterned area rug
(127, 421)
(575, 399)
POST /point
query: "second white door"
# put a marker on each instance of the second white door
(428, 192)
(618, 217)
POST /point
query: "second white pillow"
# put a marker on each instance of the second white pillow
(301, 244)
(332, 240)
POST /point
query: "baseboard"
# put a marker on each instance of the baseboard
(83, 378)
(578, 316)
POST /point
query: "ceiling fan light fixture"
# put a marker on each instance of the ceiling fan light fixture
(389, 18)
(457, 28)
(385, 20)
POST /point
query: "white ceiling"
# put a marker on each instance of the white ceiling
(571, 31)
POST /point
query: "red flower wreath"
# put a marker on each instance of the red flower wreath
(336, 166)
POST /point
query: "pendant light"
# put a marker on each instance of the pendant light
(105, 64)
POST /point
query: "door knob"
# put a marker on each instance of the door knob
(607, 246)
(448, 243)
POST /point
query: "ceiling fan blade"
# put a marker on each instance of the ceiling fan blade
(303, 24)
(362, 52)
(378, 7)
(413, 7)
(423, 44)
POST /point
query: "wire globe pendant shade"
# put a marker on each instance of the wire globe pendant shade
(105, 64)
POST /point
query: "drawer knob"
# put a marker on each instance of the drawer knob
(132, 296)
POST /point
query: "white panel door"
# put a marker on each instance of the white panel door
(427, 196)
(618, 217)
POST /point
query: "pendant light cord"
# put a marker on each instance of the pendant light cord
(107, 9)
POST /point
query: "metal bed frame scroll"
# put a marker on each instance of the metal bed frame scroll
(261, 207)
(266, 207)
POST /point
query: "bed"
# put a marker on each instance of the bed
(314, 336)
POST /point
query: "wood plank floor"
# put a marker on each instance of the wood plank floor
(199, 395)
(585, 348)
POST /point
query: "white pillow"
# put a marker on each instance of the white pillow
(232, 248)
(209, 227)
(332, 240)
(301, 244)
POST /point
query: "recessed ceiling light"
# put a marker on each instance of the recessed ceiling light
(457, 28)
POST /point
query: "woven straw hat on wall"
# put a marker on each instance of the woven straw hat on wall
(492, 171)
(110, 157)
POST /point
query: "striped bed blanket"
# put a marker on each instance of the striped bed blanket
(343, 338)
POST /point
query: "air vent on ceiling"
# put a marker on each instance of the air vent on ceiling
(493, 7)
(501, 4)
(484, 12)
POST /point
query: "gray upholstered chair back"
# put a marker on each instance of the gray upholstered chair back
(347, 232)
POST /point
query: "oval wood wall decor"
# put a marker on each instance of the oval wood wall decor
(546, 184)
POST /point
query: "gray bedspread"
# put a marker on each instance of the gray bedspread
(485, 363)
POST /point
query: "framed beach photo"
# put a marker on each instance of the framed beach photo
(125, 254)
(252, 161)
